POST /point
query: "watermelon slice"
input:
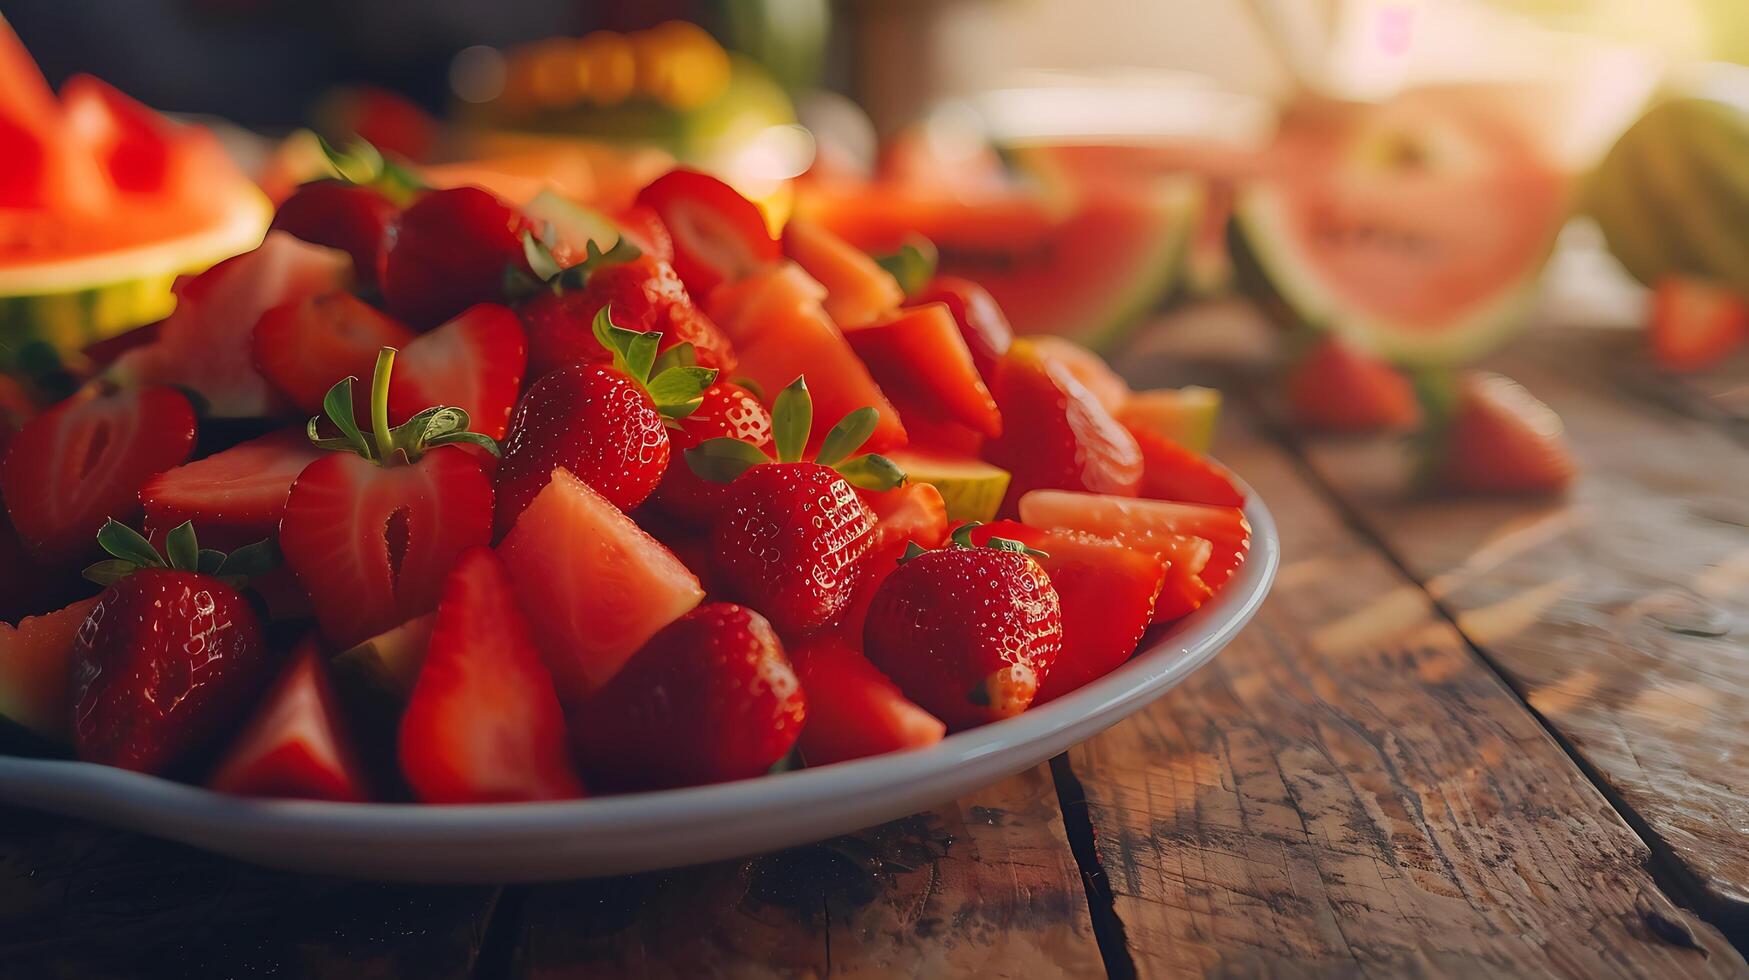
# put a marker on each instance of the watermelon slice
(103, 203)
(1187, 415)
(593, 583)
(1087, 268)
(33, 671)
(858, 291)
(1418, 228)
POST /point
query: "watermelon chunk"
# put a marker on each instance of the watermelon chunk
(920, 358)
(593, 584)
(297, 744)
(858, 291)
(34, 660)
(781, 331)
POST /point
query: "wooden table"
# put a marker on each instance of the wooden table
(1461, 739)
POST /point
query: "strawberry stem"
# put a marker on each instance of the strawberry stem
(379, 405)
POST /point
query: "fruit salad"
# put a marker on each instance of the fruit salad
(432, 497)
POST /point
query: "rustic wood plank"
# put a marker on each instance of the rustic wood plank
(83, 901)
(1348, 790)
(986, 887)
(1621, 613)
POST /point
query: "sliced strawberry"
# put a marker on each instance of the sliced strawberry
(474, 362)
(483, 724)
(296, 745)
(858, 290)
(1086, 367)
(1498, 438)
(1336, 388)
(235, 497)
(980, 320)
(302, 347)
(854, 711)
(1107, 590)
(914, 512)
(1696, 324)
(1055, 433)
(84, 461)
(920, 360)
(207, 344)
(1172, 472)
(709, 699)
(451, 250)
(354, 218)
(371, 544)
(1144, 523)
(781, 332)
(645, 228)
(594, 585)
(719, 236)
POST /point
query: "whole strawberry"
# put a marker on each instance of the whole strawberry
(371, 530)
(789, 535)
(340, 214)
(171, 655)
(728, 411)
(645, 295)
(968, 633)
(607, 424)
(708, 699)
(450, 251)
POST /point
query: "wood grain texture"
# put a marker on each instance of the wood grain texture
(986, 887)
(1621, 612)
(1347, 790)
(87, 902)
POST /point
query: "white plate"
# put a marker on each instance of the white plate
(642, 831)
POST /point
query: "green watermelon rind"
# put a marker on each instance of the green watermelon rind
(1672, 195)
(1291, 293)
(1180, 203)
(72, 303)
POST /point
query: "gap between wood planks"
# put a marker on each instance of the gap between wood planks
(1668, 871)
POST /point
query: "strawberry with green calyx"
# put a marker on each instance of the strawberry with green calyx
(607, 424)
(371, 529)
(791, 534)
(355, 210)
(171, 654)
(723, 460)
(969, 633)
(913, 264)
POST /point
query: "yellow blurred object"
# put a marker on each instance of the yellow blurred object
(606, 59)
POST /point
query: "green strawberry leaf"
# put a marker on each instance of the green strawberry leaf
(540, 259)
(871, 472)
(679, 391)
(848, 435)
(721, 460)
(962, 538)
(913, 265)
(110, 571)
(480, 439)
(209, 561)
(182, 547)
(912, 550)
(792, 417)
(127, 544)
(250, 561)
(337, 405)
(754, 388)
(682, 354)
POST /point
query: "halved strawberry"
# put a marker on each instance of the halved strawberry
(1146, 524)
(302, 347)
(1086, 367)
(919, 359)
(207, 344)
(854, 710)
(237, 496)
(483, 724)
(1696, 324)
(1107, 590)
(296, 744)
(1055, 433)
(594, 585)
(474, 362)
(340, 214)
(980, 319)
(858, 290)
(1490, 435)
(1336, 388)
(371, 530)
(84, 461)
(719, 236)
(781, 333)
(1172, 472)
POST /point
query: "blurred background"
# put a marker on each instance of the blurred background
(1397, 173)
